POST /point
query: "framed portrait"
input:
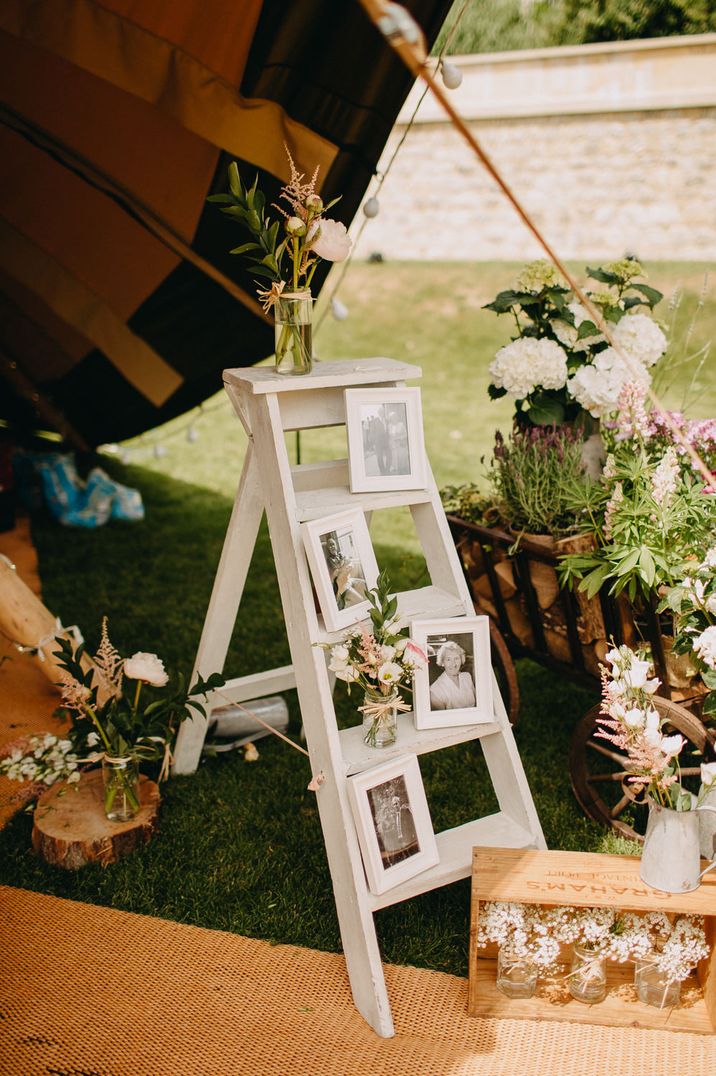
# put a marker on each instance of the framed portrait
(343, 566)
(386, 449)
(454, 686)
(393, 822)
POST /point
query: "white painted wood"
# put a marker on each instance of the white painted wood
(455, 850)
(345, 373)
(223, 606)
(410, 741)
(267, 405)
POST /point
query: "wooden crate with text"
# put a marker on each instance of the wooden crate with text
(583, 879)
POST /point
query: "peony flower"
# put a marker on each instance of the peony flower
(640, 339)
(522, 365)
(330, 240)
(146, 667)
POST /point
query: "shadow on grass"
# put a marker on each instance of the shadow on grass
(240, 847)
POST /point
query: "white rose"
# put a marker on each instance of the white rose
(637, 673)
(671, 745)
(640, 338)
(387, 653)
(146, 667)
(330, 240)
(635, 718)
(346, 673)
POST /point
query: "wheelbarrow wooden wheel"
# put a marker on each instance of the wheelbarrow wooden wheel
(599, 780)
(505, 672)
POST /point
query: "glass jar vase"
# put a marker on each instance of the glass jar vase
(380, 718)
(516, 976)
(120, 779)
(653, 988)
(293, 314)
(587, 979)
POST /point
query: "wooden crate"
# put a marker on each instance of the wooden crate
(583, 879)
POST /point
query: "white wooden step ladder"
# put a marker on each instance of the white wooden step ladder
(268, 405)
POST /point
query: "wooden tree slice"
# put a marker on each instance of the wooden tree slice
(71, 830)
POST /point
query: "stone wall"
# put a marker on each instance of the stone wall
(603, 174)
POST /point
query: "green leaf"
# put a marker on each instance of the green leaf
(592, 583)
(709, 678)
(235, 180)
(253, 221)
(503, 302)
(651, 295)
(245, 248)
(709, 704)
(647, 567)
(222, 198)
(496, 393)
(587, 328)
(603, 276)
(544, 410)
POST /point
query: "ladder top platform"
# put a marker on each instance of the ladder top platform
(324, 375)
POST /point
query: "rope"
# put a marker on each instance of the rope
(318, 779)
(382, 176)
(392, 20)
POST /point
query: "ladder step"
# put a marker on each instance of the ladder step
(314, 504)
(426, 603)
(357, 756)
(455, 850)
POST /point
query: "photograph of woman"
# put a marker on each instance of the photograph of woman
(344, 567)
(453, 688)
(393, 821)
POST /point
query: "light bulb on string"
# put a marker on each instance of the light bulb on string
(371, 208)
(452, 75)
(339, 310)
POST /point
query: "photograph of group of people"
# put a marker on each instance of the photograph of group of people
(386, 450)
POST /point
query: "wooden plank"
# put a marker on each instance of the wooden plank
(357, 756)
(254, 686)
(314, 504)
(581, 879)
(620, 1008)
(455, 850)
(324, 375)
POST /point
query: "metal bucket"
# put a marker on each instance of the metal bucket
(670, 860)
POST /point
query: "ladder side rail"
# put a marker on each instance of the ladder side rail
(223, 606)
(355, 917)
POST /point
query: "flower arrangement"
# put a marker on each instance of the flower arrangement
(381, 662)
(43, 760)
(536, 933)
(558, 365)
(630, 722)
(693, 602)
(286, 256)
(649, 513)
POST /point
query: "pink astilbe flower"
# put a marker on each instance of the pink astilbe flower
(109, 663)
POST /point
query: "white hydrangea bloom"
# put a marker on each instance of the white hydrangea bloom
(526, 363)
(597, 386)
(640, 338)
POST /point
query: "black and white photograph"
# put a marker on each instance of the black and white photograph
(393, 823)
(454, 687)
(343, 566)
(386, 449)
(451, 671)
(385, 439)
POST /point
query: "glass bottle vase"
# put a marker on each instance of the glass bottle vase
(380, 718)
(653, 988)
(587, 979)
(516, 976)
(120, 779)
(293, 314)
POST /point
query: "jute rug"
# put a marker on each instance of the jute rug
(95, 992)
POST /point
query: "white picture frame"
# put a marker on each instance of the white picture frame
(393, 823)
(343, 566)
(446, 693)
(386, 447)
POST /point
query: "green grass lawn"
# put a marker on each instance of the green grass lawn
(240, 846)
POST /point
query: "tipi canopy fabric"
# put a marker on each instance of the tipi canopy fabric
(119, 302)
